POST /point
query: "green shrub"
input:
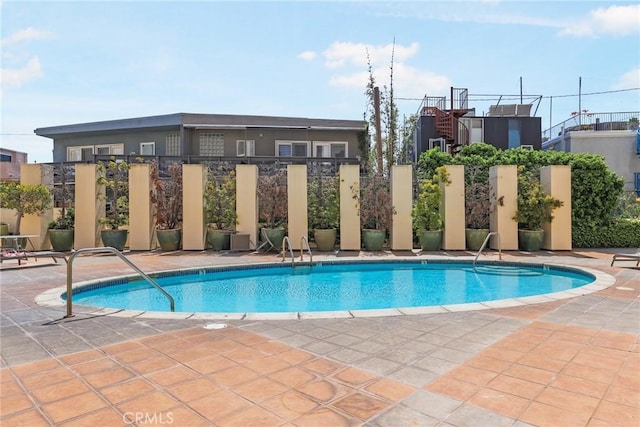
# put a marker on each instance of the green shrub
(620, 233)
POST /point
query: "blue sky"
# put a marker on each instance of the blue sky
(84, 61)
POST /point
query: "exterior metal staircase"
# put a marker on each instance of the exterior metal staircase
(447, 123)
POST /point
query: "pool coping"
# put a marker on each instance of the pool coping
(52, 298)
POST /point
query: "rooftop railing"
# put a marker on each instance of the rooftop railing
(593, 121)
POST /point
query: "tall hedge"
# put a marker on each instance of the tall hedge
(595, 189)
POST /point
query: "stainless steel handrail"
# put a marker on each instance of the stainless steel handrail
(285, 239)
(486, 240)
(303, 239)
(122, 257)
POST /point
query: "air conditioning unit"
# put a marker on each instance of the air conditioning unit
(440, 143)
(527, 147)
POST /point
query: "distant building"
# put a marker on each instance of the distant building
(449, 124)
(614, 136)
(10, 162)
(234, 137)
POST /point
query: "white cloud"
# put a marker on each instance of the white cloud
(341, 54)
(616, 20)
(308, 55)
(629, 80)
(17, 77)
(26, 35)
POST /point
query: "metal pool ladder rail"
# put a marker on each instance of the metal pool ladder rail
(286, 240)
(486, 240)
(304, 240)
(122, 257)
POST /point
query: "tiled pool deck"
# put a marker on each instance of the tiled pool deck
(566, 362)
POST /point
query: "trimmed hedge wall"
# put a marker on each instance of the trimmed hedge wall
(621, 233)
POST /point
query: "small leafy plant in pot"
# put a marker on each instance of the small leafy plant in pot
(535, 207)
(273, 205)
(114, 176)
(61, 230)
(426, 212)
(166, 198)
(25, 199)
(477, 206)
(373, 199)
(220, 209)
(324, 210)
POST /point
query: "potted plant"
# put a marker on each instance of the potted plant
(376, 210)
(426, 213)
(477, 206)
(324, 211)
(220, 209)
(273, 205)
(166, 198)
(114, 177)
(61, 230)
(25, 199)
(535, 207)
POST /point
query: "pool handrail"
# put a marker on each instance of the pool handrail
(486, 240)
(285, 240)
(303, 239)
(122, 257)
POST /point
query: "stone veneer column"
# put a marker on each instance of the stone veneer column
(141, 225)
(297, 213)
(194, 178)
(453, 214)
(247, 201)
(503, 189)
(88, 208)
(556, 181)
(349, 209)
(35, 174)
(401, 232)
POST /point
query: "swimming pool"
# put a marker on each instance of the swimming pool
(334, 286)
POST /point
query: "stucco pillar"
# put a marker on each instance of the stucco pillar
(556, 181)
(503, 190)
(349, 209)
(88, 208)
(35, 174)
(141, 224)
(194, 178)
(401, 232)
(247, 201)
(297, 213)
(452, 209)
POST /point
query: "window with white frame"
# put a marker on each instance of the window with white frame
(292, 148)
(172, 145)
(147, 148)
(329, 149)
(86, 152)
(245, 148)
(212, 144)
(107, 149)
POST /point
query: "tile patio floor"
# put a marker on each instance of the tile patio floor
(571, 362)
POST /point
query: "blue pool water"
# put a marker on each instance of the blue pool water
(332, 287)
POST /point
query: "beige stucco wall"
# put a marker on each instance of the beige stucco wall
(349, 209)
(556, 181)
(141, 225)
(194, 178)
(503, 189)
(297, 213)
(247, 201)
(401, 232)
(453, 237)
(37, 225)
(88, 209)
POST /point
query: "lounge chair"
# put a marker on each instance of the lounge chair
(24, 255)
(626, 257)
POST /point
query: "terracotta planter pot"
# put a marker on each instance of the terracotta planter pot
(325, 239)
(373, 239)
(430, 240)
(169, 240)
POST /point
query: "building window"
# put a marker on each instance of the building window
(212, 144)
(78, 154)
(5, 158)
(514, 133)
(292, 148)
(245, 148)
(147, 148)
(109, 149)
(329, 149)
(172, 143)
